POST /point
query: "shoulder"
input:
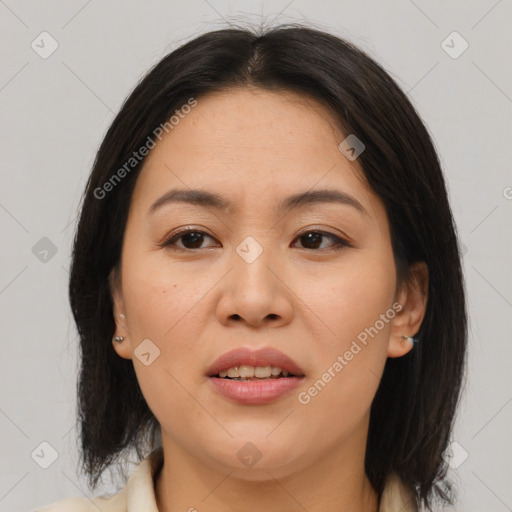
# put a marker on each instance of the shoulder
(137, 495)
(397, 497)
(116, 503)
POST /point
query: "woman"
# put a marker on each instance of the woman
(267, 286)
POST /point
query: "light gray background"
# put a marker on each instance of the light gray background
(55, 112)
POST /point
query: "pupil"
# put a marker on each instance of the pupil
(196, 237)
(312, 237)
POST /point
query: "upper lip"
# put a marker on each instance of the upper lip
(266, 356)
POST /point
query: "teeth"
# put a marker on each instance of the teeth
(262, 372)
(248, 372)
(233, 372)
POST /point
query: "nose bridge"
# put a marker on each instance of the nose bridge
(251, 260)
(253, 291)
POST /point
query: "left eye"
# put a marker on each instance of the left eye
(312, 238)
(192, 239)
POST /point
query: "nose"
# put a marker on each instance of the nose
(255, 292)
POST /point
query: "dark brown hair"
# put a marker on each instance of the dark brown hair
(413, 411)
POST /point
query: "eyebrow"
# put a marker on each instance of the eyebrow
(214, 201)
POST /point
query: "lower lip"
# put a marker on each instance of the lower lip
(252, 392)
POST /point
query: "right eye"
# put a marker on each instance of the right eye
(190, 238)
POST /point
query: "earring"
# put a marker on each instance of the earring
(412, 340)
(119, 338)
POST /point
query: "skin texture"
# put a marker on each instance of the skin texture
(307, 298)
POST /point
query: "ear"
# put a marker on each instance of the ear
(123, 348)
(412, 296)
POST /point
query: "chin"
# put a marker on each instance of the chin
(257, 459)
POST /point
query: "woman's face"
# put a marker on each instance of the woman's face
(312, 280)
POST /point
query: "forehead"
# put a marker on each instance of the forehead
(251, 142)
(253, 112)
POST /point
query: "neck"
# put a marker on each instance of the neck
(335, 481)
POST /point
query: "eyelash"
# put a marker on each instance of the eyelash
(339, 242)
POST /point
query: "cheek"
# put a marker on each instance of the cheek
(162, 306)
(356, 312)
(160, 297)
(350, 297)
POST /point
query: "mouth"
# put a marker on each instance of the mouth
(248, 364)
(246, 372)
(254, 377)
